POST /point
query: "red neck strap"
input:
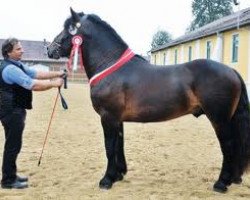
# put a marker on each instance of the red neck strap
(126, 56)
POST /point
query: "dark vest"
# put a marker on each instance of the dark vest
(13, 96)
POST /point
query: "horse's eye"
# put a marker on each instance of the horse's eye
(72, 30)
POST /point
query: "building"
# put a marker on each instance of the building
(226, 40)
(35, 55)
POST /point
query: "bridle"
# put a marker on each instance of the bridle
(57, 44)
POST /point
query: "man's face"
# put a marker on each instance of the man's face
(17, 52)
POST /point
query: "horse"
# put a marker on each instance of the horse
(124, 87)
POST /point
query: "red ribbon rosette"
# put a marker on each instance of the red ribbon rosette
(76, 51)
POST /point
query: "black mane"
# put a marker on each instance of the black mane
(98, 21)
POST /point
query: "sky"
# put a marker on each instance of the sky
(136, 21)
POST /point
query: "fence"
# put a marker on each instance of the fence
(77, 77)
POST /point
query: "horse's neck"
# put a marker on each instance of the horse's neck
(98, 61)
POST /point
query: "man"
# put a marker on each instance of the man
(16, 84)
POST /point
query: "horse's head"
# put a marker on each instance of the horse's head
(101, 44)
(61, 45)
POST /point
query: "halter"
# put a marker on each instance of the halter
(57, 44)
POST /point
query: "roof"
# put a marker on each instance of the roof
(34, 51)
(241, 18)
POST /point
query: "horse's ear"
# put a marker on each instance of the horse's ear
(75, 16)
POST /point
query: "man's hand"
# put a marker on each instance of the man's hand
(63, 74)
(58, 82)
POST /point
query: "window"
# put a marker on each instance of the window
(208, 50)
(155, 60)
(175, 56)
(235, 48)
(189, 53)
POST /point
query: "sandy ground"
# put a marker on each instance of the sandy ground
(177, 159)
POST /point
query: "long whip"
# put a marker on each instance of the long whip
(51, 117)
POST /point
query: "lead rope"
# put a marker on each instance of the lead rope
(64, 104)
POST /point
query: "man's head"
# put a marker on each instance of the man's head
(12, 48)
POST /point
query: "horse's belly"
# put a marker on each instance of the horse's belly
(152, 114)
(164, 107)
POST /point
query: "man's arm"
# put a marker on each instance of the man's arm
(41, 85)
(11, 74)
(42, 75)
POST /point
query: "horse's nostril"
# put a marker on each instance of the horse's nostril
(49, 54)
(53, 54)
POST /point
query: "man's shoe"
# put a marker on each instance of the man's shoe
(22, 178)
(15, 185)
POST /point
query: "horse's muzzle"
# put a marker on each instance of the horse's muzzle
(53, 52)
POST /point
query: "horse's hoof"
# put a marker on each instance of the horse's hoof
(105, 183)
(237, 180)
(220, 187)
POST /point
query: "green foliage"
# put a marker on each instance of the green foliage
(160, 37)
(206, 11)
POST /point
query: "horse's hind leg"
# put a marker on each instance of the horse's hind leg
(116, 166)
(226, 140)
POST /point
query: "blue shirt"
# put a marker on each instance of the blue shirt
(13, 75)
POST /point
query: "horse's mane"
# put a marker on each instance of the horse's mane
(97, 20)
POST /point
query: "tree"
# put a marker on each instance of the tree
(160, 37)
(206, 11)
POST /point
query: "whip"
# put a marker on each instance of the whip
(64, 105)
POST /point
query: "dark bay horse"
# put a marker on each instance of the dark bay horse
(125, 87)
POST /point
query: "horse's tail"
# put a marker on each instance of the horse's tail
(240, 125)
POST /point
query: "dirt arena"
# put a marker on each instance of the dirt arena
(177, 159)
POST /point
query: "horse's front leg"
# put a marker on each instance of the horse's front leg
(116, 165)
(120, 155)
